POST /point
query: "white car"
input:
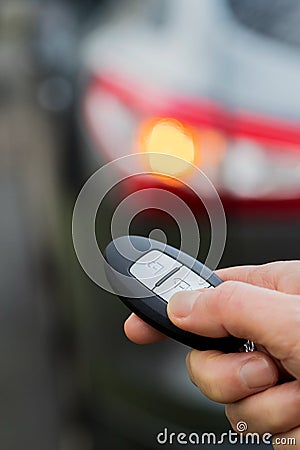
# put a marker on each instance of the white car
(219, 74)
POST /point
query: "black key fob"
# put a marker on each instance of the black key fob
(145, 273)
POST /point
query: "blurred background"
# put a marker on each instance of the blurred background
(85, 82)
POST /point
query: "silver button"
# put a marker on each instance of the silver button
(183, 280)
(152, 267)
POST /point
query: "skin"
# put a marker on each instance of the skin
(261, 303)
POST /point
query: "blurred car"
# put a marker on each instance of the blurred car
(221, 74)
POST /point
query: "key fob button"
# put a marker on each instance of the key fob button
(183, 280)
(152, 267)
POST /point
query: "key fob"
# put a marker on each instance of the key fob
(145, 273)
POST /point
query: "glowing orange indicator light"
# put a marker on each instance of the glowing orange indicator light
(169, 137)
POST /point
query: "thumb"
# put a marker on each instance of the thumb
(267, 317)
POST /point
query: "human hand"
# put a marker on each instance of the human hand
(261, 303)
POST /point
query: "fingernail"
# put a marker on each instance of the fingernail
(181, 304)
(257, 373)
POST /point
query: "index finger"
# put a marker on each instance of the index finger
(140, 332)
(281, 276)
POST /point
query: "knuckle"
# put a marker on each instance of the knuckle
(293, 391)
(266, 275)
(290, 348)
(297, 395)
(275, 421)
(210, 389)
(227, 295)
(201, 377)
